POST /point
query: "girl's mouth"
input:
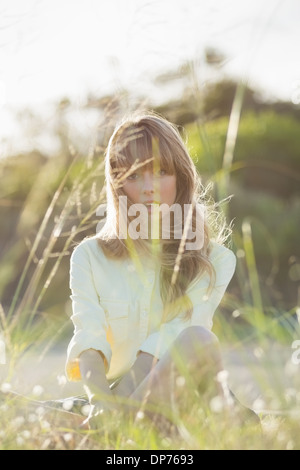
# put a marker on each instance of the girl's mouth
(151, 205)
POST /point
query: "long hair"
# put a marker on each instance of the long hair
(143, 139)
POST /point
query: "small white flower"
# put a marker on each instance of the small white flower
(282, 436)
(62, 380)
(236, 313)
(180, 381)
(40, 411)
(258, 352)
(68, 437)
(258, 404)
(216, 404)
(85, 410)
(140, 415)
(45, 425)
(240, 253)
(32, 418)
(222, 376)
(37, 390)
(130, 442)
(26, 434)
(5, 387)
(68, 404)
(17, 422)
(20, 441)
(4, 408)
(271, 425)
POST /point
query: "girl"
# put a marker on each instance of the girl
(145, 288)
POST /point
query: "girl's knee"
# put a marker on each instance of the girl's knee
(197, 346)
(198, 335)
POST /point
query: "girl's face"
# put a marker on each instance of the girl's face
(148, 186)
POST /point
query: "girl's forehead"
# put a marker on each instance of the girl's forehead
(138, 145)
(141, 146)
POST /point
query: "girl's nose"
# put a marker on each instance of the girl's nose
(148, 185)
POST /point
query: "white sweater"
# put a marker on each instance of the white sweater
(117, 306)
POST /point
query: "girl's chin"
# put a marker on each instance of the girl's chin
(153, 208)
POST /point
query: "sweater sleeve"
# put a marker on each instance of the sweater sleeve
(88, 316)
(204, 304)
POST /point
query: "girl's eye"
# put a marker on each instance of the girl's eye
(133, 176)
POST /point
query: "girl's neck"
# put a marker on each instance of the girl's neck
(147, 249)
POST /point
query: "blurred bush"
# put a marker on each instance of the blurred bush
(264, 181)
(266, 155)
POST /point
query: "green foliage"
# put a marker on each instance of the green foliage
(266, 156)
(281, 224)
(218, 99)
(264, 181)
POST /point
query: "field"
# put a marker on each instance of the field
(266, 380)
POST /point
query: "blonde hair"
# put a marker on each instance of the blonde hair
(139, 139)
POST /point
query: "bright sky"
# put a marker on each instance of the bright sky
(55, 48)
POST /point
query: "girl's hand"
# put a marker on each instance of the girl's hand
(100, 416)
(141, 368)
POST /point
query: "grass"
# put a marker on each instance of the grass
(25, 426)
(256, 339)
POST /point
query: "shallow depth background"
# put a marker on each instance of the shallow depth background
(210, 71)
